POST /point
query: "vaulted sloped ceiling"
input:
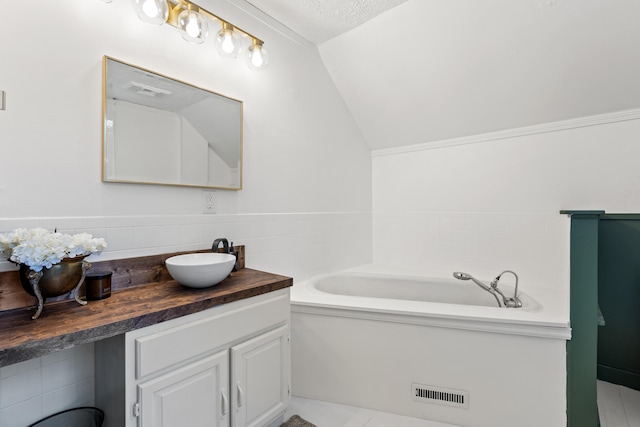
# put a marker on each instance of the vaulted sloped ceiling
(429, 70)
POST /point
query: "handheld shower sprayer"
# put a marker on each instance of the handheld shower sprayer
(493, 288)
(466, 276)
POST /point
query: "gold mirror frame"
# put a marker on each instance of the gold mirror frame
(163, 131)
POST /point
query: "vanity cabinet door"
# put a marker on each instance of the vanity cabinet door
(195, 395)
(260, 378)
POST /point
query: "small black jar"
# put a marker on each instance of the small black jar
(97, 285)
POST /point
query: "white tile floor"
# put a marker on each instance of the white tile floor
(324, 414)
(618, 406)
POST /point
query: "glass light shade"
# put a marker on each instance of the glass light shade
(227, 42)
(192, 26)
(257, 56)
(151, 11)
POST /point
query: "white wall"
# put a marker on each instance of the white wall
(492, 202)
(306, 203)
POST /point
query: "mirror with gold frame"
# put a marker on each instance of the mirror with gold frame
(158, 130)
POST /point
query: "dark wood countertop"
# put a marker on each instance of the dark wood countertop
(66, 324)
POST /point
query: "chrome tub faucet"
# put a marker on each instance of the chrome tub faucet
(513, 302)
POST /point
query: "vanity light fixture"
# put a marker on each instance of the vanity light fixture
(189, 19)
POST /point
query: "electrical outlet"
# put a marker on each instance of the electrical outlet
(208, 201)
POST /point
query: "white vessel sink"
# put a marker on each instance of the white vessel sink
(200, 270)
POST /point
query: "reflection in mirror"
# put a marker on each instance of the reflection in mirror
(161, 131)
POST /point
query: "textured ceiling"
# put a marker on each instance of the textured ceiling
(322, 20)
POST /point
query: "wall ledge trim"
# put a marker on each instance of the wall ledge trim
(600, 119)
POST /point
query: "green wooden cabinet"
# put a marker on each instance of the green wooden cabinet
(582, 409)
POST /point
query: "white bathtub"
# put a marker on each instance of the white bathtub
(364, 338)
(412, 288)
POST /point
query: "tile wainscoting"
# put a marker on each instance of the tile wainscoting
(42, 386)
(533, 244)
(299, 245)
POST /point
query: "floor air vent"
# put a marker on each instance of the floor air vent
(440, 395)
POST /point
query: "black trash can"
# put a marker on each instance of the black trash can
(86, 416)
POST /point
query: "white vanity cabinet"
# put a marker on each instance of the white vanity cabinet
(187, 396)
(225, 366)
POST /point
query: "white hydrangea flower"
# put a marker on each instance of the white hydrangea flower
(39, 248)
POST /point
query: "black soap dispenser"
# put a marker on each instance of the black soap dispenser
(233, 252)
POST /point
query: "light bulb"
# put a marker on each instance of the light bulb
(194, 29)
(151, 11)
(257, 56)
(227, 43)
